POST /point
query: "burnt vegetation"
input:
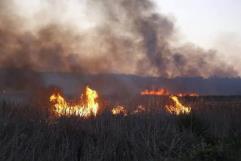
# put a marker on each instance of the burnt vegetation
(211, 132)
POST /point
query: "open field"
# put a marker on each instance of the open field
(120, 80)
(211, 132)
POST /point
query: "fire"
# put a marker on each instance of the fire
(159, 92)
(139, 109)
(85, 107)
(88, 105)
(165, 92)
(119, 110)
(178, 108)
(187, 94)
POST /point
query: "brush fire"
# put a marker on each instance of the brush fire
(85, 107)
(86, 80)
(88, 104)
(119, 110)
(166, 92)
(177, 108)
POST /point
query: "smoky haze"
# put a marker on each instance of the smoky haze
(113, 36)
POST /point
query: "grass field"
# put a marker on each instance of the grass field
(212, 132)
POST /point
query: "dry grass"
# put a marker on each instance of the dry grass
(211, 132)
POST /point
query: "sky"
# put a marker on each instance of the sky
(208, 23)
(204, 21)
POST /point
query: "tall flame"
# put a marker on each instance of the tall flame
(178, 108)
(85, 107)
(88, 105)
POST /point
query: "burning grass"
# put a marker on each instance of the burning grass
(177, 108)
(88, 105)
(210, 132)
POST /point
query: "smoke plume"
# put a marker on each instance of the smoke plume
(109, 36)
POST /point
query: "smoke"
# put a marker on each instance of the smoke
(110, 36)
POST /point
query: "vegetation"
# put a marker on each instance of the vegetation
(212, 132)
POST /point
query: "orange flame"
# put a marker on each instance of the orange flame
(159, 92)
(165, 92)
(87, 105)
(119, 110)
(178, 108)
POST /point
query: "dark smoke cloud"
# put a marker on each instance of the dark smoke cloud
(131, 38)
